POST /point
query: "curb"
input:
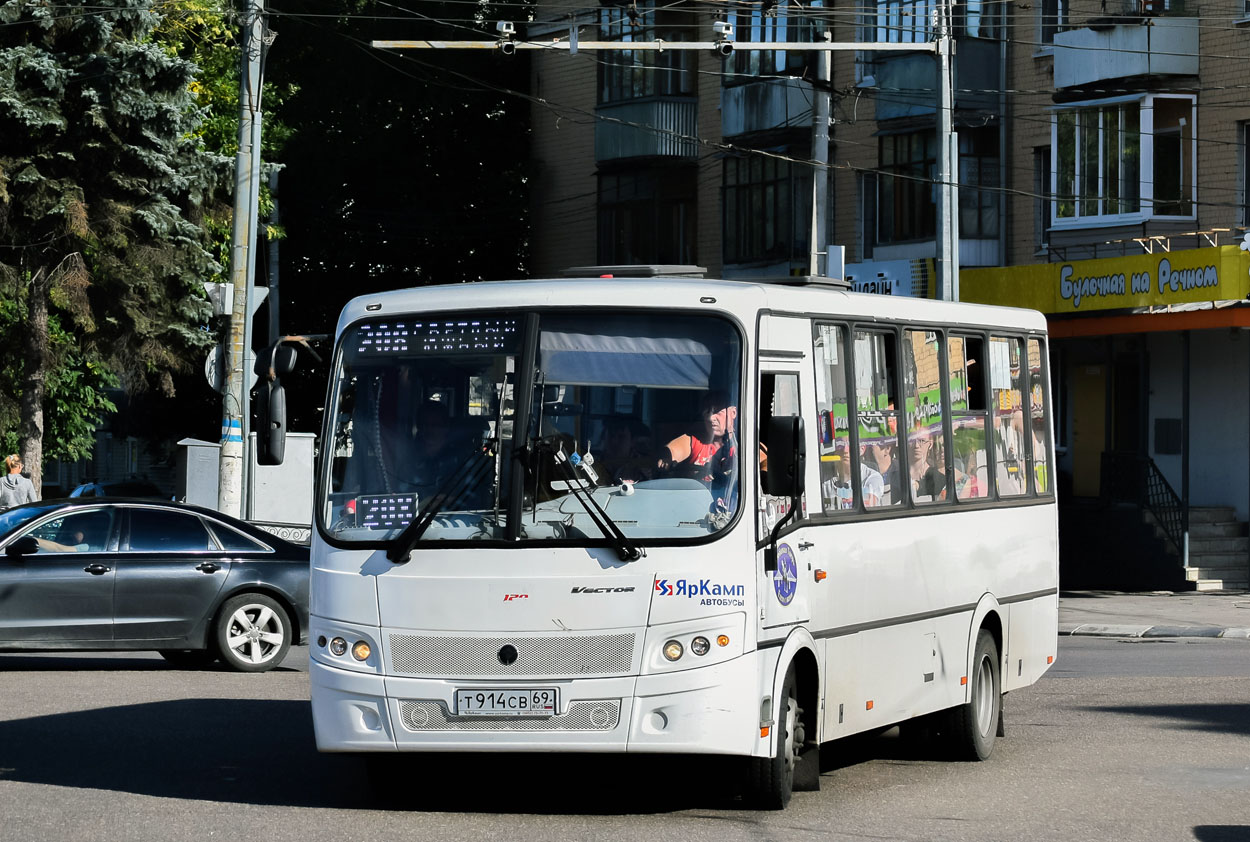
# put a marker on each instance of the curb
(1100, 630)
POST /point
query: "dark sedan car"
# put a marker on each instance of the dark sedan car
(189, 582)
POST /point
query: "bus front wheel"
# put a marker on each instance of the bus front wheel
(771, 779)
(972, 727)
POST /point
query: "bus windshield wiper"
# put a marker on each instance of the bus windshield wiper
(462, 480)
(626, 549)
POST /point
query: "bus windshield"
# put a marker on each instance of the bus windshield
(631, 432)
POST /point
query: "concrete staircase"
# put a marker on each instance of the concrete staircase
(1219, 549)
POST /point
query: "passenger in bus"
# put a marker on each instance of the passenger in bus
(879, 455)
(837, 490)
(1040, 469)
(1009, 450)
(438, 451)
(624, 454)
(928, 483)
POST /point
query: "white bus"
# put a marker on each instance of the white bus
(677, 515)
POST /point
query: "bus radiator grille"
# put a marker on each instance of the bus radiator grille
(430, 715)
(609, 654)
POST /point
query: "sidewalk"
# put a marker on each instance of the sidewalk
(1155, 614)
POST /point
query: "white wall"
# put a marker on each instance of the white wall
(1219, 457)
(1219, 434)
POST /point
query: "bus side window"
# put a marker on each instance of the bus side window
(966, 356)
(1039, 441)
(832, 433)
(926, 434)
(1007, 390)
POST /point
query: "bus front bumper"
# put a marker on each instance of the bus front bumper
(710, 710)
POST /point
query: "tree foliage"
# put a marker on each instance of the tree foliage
(103, 184)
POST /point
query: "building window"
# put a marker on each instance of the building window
(767, 204)
(979, 19)
(1124, 161)
(1054, 18)
(978, 182)
(633, 74)
(905, 21)
(782, 24)
(905, 206)
(1041, 197)
(647, 216)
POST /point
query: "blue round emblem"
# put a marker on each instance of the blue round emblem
(786, 576)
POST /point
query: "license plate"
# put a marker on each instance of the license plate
(536, 701)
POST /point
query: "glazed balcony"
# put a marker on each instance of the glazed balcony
(654, 127)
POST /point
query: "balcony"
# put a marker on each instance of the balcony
(1119, 48)
(656, 127)
(765, 104)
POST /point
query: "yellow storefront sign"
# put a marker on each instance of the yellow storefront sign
(1220, 273)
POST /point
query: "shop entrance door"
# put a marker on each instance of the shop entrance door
(1089, 427)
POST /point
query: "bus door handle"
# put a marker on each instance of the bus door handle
(806, 545)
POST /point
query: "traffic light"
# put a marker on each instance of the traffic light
(276, 361)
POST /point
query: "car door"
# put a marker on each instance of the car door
(169, 571)
(61, 593)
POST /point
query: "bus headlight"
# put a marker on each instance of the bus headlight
(338, 646)
(361, 651)
(693, 644)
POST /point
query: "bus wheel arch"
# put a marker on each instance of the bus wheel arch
(793, 763)
(807, 689)
(987, 617)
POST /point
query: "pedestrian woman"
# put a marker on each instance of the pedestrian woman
(15, 489)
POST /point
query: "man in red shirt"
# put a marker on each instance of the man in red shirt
(709, 454)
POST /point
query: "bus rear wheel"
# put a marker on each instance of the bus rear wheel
(972, 727)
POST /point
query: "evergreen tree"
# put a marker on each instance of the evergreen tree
(103, 181)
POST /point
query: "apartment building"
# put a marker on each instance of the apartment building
(1102, 178)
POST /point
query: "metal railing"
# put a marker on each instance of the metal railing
(1134, 478)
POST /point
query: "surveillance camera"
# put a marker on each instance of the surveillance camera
(506, 28)
(507, 47)
(723, 29)
(724, 49)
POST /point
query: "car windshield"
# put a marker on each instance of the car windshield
(10, 519)
(631, 430)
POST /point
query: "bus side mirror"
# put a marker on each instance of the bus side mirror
(787, 457)
(271, 404)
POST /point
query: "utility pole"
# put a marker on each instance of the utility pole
(820, 154)
(235, 407)
(947, 155)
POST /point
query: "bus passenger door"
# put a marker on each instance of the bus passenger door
(785, 389)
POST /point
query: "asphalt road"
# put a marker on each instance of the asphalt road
(1122, 740)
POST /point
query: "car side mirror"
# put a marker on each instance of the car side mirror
(26, 545)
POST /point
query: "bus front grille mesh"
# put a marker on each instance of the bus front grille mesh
(429, 656)
(430, 715)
